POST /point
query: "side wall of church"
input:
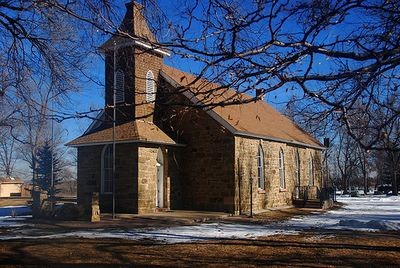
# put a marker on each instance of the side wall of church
(246, 169)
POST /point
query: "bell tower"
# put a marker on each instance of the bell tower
(132, 64)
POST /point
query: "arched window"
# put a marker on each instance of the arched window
(120, 86)
(311, 171)
(260, 168)
(150, 87)
(107, 169)
(282, 183)
(297, 170)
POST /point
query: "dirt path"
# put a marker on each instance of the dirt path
(308, 249)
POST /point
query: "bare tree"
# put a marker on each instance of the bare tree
(42, 47)
(340, 55)
(339, 58)
(43, 52)
(7, 153)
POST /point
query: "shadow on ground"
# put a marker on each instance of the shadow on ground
(307, 249)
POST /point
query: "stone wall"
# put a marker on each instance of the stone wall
(145, 61)
(175, 175)
(125, 62)
(89, 168)
(205, 169)
(208, 178)
(147, 184)
(246, 150)
(126, 178)
(135, 62)
(89, 178)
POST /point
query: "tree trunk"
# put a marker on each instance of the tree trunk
(365, 183)
(345, 190)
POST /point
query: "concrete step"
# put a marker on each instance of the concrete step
(311, 203)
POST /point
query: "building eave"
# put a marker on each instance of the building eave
(133, 42)
(124, 142)
(269, 138)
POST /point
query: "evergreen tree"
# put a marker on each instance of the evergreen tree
(44, 169)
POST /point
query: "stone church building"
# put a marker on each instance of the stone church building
(170, 154)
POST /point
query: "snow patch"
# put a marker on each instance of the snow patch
(12, 222)
(358, 213)
(179, 234)
(370, 225)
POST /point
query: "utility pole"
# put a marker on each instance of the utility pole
(326, 144)
(52, 193)
(251, 197)
(113, 134)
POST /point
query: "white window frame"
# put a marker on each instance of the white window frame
(282, 182)
(311, 171)
(106, 169)
(120, 86)
(260, 168)
(150, 87)
(297, 170)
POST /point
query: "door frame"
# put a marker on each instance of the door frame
(160, 179)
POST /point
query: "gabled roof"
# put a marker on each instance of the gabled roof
(10, 180)
(253, 119)
(135, 131)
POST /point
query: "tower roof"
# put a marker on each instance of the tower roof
(136, 131)
(134, 30)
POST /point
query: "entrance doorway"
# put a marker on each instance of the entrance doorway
(160, 178)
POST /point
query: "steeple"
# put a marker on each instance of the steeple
(135, 24)
(136, 69)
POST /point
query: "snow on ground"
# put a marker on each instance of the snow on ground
(179, 234)
(362, 213)
(12, 222)
(358, 213)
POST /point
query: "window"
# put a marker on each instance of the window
(311, 171)
(297, 171)
(107, 169)
(119, 86)
(260, 168)
(150, 87)
(282, 183)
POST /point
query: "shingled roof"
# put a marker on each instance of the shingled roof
(134, 30)
(253, 119)
(10, 180)
(134, 131)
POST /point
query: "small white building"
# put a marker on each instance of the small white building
(10, 186)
